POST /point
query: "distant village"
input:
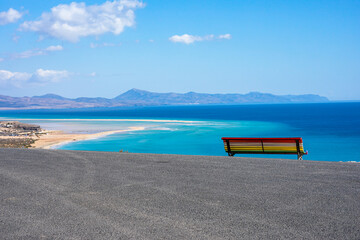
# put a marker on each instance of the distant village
(15, 128)
(17, 134)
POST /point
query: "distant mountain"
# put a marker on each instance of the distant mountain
(51, 96)
(137, 97)
(152, 98)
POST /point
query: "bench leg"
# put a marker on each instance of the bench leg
(231, 154)
(300, 157)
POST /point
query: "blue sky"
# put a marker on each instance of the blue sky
(98, 48)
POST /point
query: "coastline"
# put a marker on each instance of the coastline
(102, 120)
(57, 138)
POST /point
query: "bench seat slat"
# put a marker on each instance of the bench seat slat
(264, 145)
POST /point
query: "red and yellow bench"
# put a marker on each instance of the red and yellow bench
(264, 146)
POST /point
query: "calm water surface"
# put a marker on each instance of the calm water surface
(331, 131)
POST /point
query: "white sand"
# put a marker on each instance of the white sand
(56, 138)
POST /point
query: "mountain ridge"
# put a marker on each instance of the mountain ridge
(138, 97)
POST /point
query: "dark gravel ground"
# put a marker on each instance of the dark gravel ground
(55, 194)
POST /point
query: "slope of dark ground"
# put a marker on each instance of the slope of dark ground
(54, 194)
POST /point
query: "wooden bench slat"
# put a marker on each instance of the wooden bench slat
(264, 145)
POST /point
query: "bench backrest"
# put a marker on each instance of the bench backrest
(264, 145)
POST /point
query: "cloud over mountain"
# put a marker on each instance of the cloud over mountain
(46, 76)
(75, 20)
(13, 78)
(41, 76)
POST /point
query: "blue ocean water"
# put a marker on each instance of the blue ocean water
(331, 131)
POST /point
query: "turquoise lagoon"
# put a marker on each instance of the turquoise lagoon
(331, 131)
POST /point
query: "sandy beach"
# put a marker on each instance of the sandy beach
(55, 138)
(105, 120)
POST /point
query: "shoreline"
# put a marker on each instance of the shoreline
(101, 120)
(57, 138)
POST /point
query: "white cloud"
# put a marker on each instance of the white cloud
(46, 76)
(54, 48)
(188, 39)
(13, 78)
(225, 36)
(96, 45)
(10, 16)
(185, 38)
(37, 52)
(21, 79)
(75, 20)
(15, 38)
(28, 54)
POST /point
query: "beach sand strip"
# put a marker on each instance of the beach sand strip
(53, 139)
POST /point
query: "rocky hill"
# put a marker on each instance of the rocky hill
(137, 97)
